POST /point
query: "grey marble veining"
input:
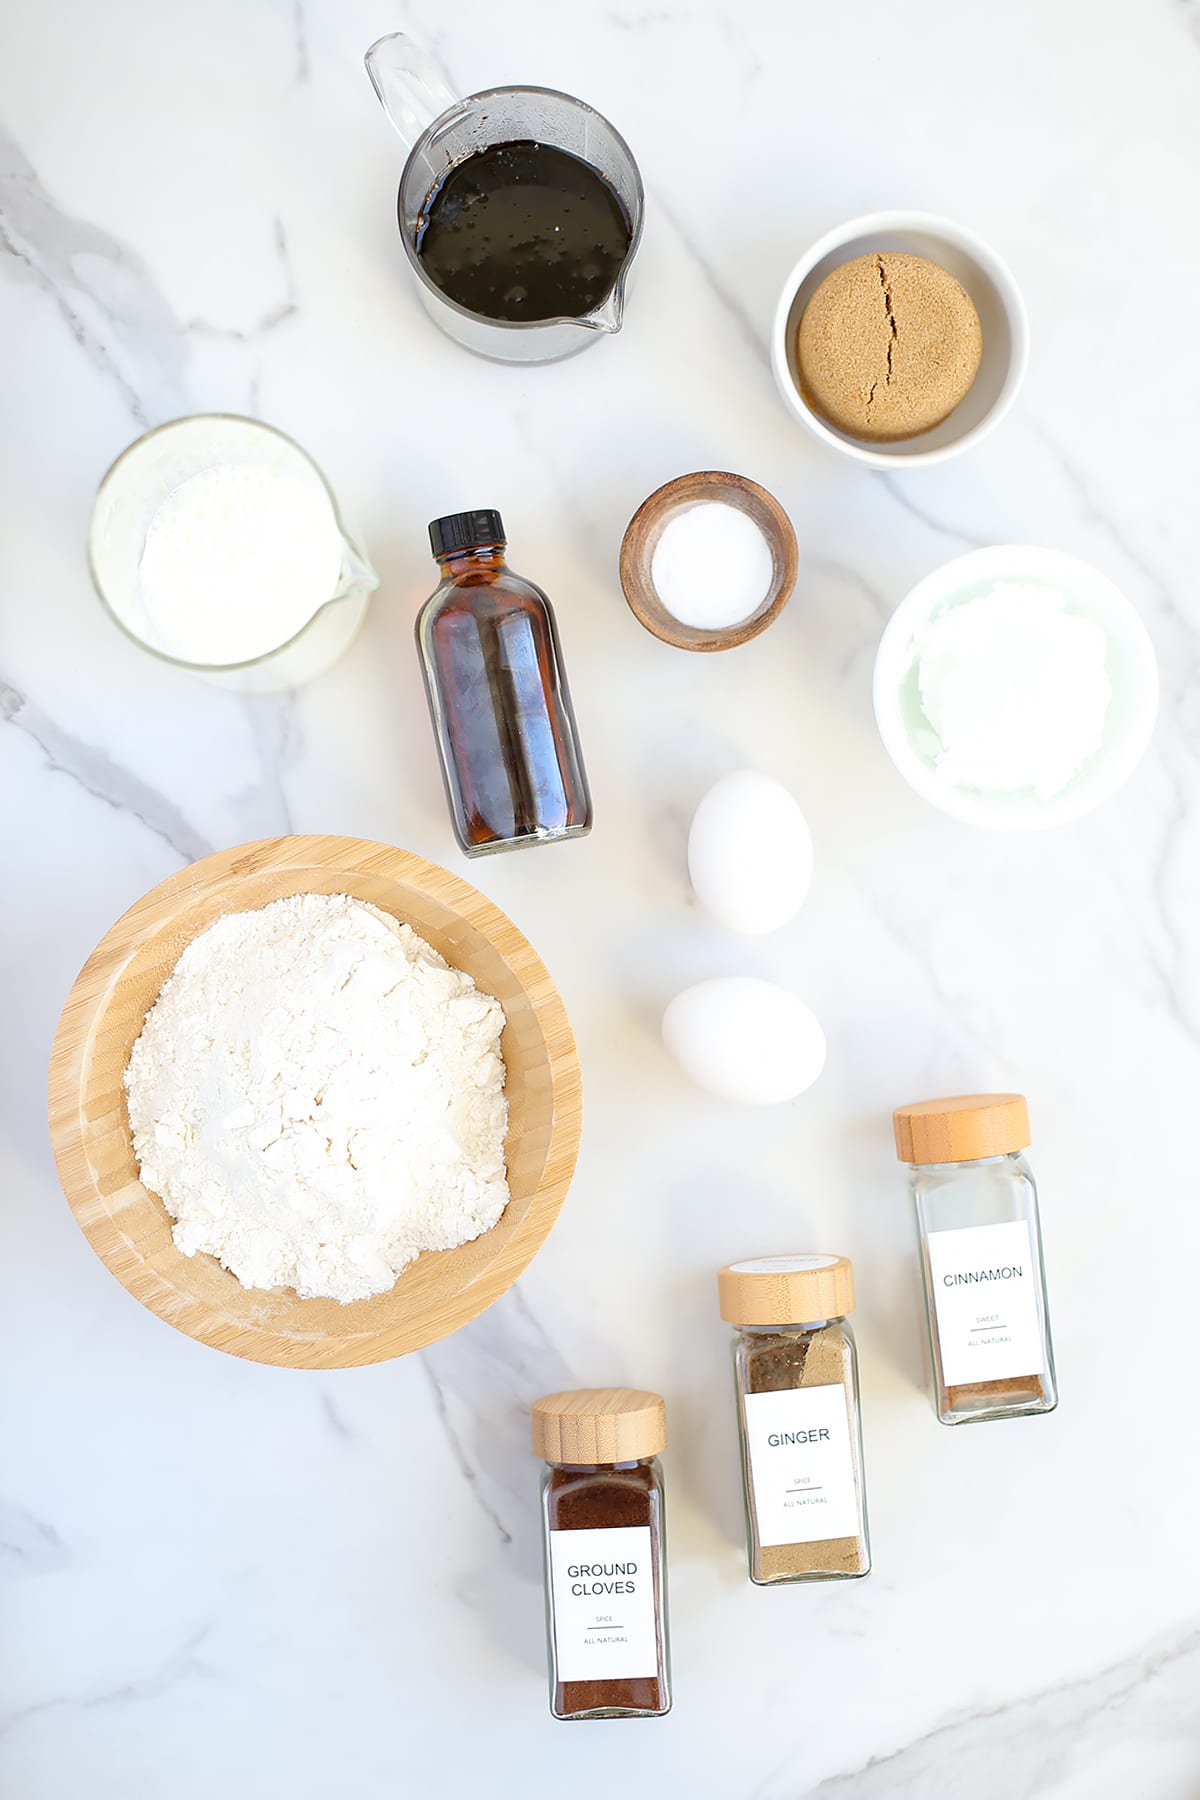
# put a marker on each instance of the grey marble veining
(1139, 1714)
(29, 1546)
(98, 775)
(183, 1666)
(102, 289)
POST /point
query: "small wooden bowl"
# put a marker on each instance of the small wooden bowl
(129, 1228)
(646, 527)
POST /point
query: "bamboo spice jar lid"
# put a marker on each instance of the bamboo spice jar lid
(599, 1425)
(786, 1290)
(962, 1129)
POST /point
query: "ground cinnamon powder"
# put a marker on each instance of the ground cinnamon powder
(969, 1182)
(1018, 1389)
(821, 1358)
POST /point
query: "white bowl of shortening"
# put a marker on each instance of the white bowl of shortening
(1015, 688)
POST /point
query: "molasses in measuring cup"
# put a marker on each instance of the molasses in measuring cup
(520, 209)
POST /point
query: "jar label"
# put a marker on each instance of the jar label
(802, 1465)
(602, 1601)
(985, 1301)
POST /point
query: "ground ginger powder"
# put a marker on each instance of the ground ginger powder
(798, 1416)
(811, 1359)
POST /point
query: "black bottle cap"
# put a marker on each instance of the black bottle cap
(466, 531)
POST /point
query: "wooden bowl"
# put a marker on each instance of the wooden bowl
(129, 1228)
(646, 527)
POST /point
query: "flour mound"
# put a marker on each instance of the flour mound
(317, 1097)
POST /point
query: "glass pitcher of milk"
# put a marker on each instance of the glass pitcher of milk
(217, 544)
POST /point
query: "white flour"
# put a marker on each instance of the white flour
(317, 1097)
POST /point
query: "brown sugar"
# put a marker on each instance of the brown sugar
(888, 345)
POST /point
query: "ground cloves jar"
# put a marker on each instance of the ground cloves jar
(981, 1256)
(798, 1417)
(605, 1556)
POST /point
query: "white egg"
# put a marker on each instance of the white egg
(750, 854)
(744, 1039)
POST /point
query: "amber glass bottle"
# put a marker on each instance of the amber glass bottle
(602, 1513)
(498, 696)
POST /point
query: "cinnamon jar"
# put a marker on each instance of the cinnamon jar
(798, 1417)
(605, 1560)
(981, 1256)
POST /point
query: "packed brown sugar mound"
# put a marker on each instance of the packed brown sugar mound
(888, 345)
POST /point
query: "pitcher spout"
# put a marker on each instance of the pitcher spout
(357, 575)
(608, 316)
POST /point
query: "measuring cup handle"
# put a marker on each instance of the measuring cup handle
(412, 89)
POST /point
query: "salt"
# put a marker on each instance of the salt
(712, 566)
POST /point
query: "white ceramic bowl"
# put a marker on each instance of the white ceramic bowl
(1131, 664)
(997, 300)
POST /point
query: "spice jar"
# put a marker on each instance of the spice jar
(606, 1590)
(981, 1256)
(797, 1390)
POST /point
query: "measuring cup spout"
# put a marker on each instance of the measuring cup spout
(608, 316)
(411, 86)
(357, 575)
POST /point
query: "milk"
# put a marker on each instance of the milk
(216, 543)
(237, 560)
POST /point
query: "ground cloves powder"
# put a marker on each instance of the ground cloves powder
(605, 1562)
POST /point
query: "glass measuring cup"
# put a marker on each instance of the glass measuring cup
(136, 486)
(440, 130)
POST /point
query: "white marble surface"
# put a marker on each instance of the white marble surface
(222, 1578)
